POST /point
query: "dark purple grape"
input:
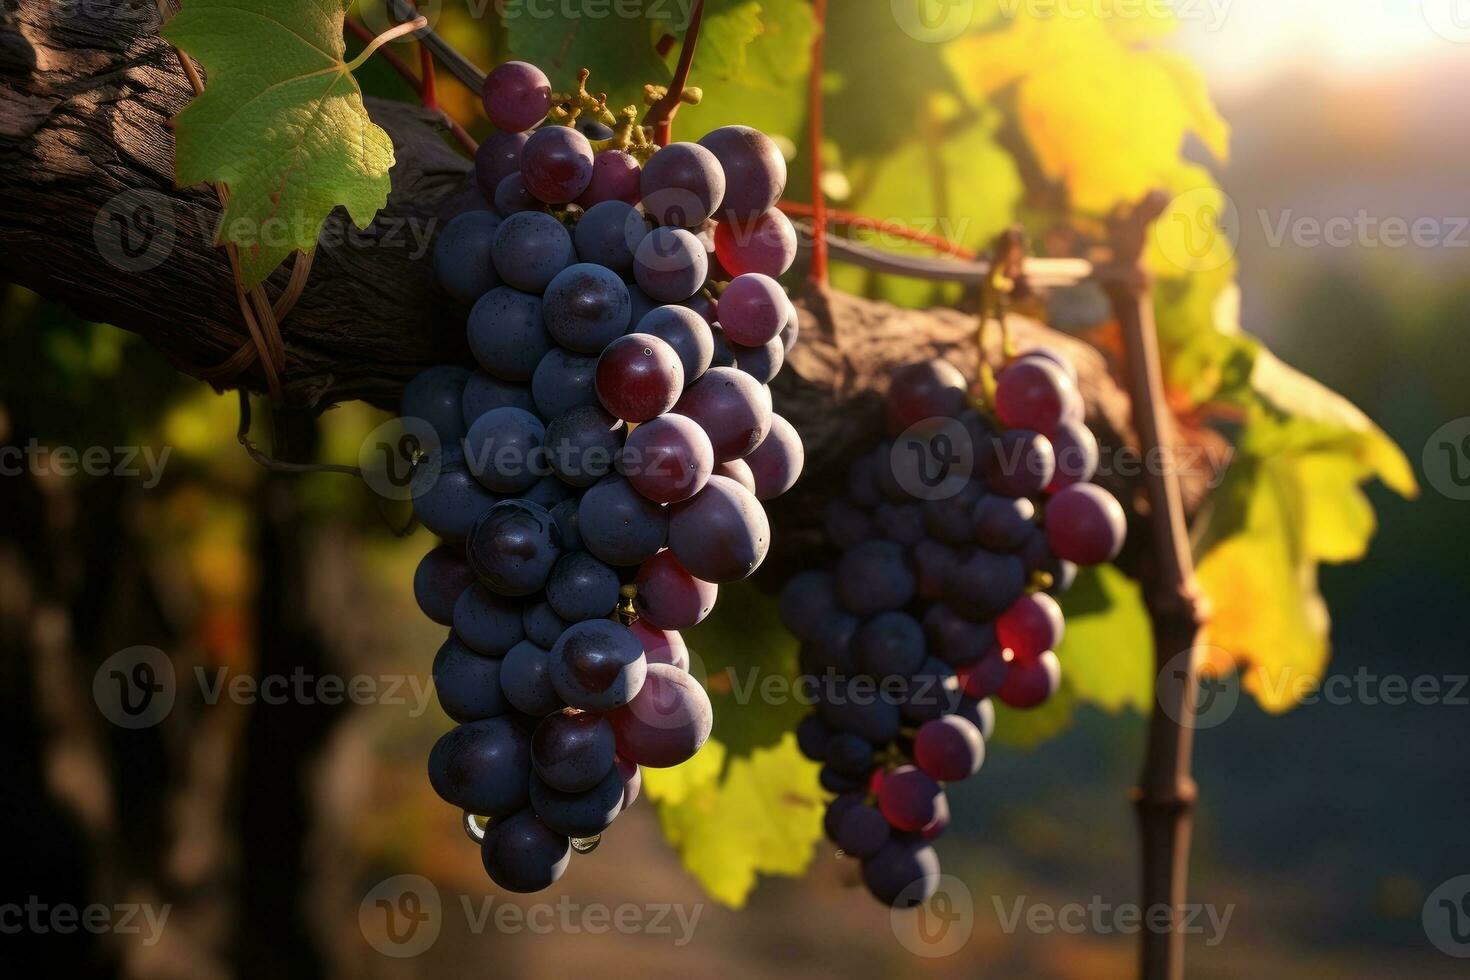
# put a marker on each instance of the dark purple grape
(507, 334)
(954, 639)
(732, 407)
(808, 600)
(987, 675)
(669, 597)
(581, 587)
(724, 353)
(1020, 463)
(949, 749)
(434, 395)
(556, 164)
(452, 504)
(831, 646)
(909, 798)
(581, 445)
(517, 96)
(530, 249)
(686, 332)
(1004, 523)
(620, 525)
(934, 564)
(572, 750)
(764, 244)
(1033, 624)
(584, 814)
(903, 523)
(549, 491)
(925, 390)
(985, 583)
(854, 706)
(979, 713)
(792, 330)
(639, 377)
(503, 449)
(482, 767)
(777, 462)
(849, 754)
(754, 170)
(526, 680)
(862, 831)
(890, 644)
(511, 196)
(1032, 393)
(1063, 574)
(668, 459)
(441, 575)
(487, 623)
(753, 310)
(761, 363)
(667, 722)
(484, 393)
(615, 177)
(812, 734)
(1076, 451)
(874, 578)
(463, 262)
(933, 692)
(661, 646)
(721, 533)
(543, 626)
(833, 815)
(586, 307)
(682, 185)
(594, 129)
(846, 524)
(632, 781)
(670, 265)
(862, 479)
(608, 234)
(563, 381)
(521, 854)
(513, 547)
(597, 665)
(1031, 681)
(1085, 524)
(904, 874)
(835, 782)
(496, 159)
(468, 684)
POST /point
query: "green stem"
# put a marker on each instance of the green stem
(391, 34)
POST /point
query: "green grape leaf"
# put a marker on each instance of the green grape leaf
(747, 661)
(728, 28)
(281, 123)
(1107, 651)
(1026, 729)
(591, 34)
(733, 819)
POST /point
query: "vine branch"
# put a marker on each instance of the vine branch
(661, 115)
(818, 269)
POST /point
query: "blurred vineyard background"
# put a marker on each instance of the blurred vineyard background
(264, 827)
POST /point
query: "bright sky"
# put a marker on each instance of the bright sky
(1242, 43)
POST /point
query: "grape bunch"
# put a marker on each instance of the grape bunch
(601, 471)
(942, 599)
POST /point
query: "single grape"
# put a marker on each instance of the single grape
(531, 248)
(581, 445)
(503, 449)
(951, 519)
(682, 185)
(924, 390)
(1054, 356)
(1032, 625)
(609, 234)
(862, 831)
(562, 382)
(496, 159)
(934, 565)
(454, 502)
(792, 330)
(754, 170)
(1004, 523)
(661, 646)
(855, 706)
(524, 855)
(615, 177)
(511, 196)
(668, 459)
(985, 583)
(933, 691)
(1063, 574)
(890, 644)
(737, 470)
(862, 479)
(686, 332)
(556, 164)
(586, 307)
(632, 781)
(909, 798)
(724, 355)
(812, 734)
(594, 129)
(581, 587)
(468, 684)
(572, 750)
(777, 462)
(462, 256)
(526, 680)
(1031, 680)
(597, 665)
(549, 491)
(721, 533)
(846, 524)
(513, 547)
(808, 599)
(949, 749)
(839, 806)
(484, 392)
(639, 377)
(765, 244)
(434, 395)
(667, 722)
(620, 525)
(670, 265)
(643, 304)
(753, 310)
(517, 96)
(1019, 463)
(582, 814)
(761, 363)
(482, 767)
(442, 574)
(832, 646)
(987, 675)
(1033, 393)
(1085, 524)
(903, 523)
(507, 334)
(979, 713)
(487, 623)
(543, 626)
(732, 407)
(849, 754)
(956, 640)
(1076, 451)
(874, 578)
